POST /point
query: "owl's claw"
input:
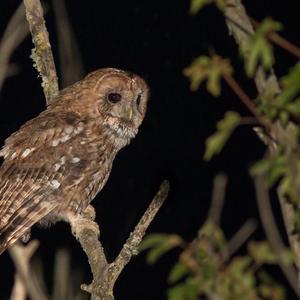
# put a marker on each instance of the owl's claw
(89, 213)
(26, 236)
(81, 223)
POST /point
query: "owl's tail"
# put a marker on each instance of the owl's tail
(29, 213)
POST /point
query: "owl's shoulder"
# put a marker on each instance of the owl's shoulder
(49, 129)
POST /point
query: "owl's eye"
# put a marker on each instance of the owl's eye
(114, 97)
(138, 100)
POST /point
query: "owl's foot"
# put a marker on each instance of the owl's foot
(89, 213)
(26, 236)
(83, 223)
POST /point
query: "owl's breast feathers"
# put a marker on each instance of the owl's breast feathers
(55, 163)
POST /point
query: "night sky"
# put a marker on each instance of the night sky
(157, 40)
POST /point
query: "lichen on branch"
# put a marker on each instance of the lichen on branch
(41, 53)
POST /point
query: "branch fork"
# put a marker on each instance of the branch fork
(105, 274)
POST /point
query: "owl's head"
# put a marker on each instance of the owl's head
(116, 99)
(121, 99)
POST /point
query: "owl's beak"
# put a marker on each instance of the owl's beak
(130, 113)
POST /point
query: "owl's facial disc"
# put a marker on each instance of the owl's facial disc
(124, 100)
(127, 110)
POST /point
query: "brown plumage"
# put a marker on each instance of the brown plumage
(55, 164)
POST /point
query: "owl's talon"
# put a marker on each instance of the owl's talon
(79, 224)
(89, 213)
(26, 236)
(86, 287)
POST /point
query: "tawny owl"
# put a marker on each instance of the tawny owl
(56, 163)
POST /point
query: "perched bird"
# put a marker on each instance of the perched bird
(56, 163)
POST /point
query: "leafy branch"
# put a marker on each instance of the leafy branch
(207, 268)
(278, 107)
(257, 50)
(272, 105)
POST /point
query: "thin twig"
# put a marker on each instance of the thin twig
(218, 197)
(241, 236)
(280, 41)
(21, 256)
(14, 34)
(131, 246)
(42, 54)
(69, 57)
(249, 121)
(61, 275)
(272, 232)
(248, 102)
(285, 44)
(19, 289)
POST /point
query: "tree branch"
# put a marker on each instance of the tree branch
(21, 256)
(19, 289)
(218, 198)
(241, 236)
(41, 54)
(105, 274)
(272, 232)
(240, 27)
(131, 246)
(246, 100)
(14, 34)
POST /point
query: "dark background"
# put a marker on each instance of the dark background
(155, 39)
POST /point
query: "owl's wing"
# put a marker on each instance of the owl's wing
(25, 199)
(49, 129)
(29, 181)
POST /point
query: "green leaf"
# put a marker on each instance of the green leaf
(216, 142)
(184, 291)
(178, 271)
(289, 185)
(177, 292)
(237, 281)
(268, 288)
(286, 104)
(197, 5)
(261, 252)
(297, 220)
(272, 292)
(294, 107)
(260, 168)
(284, 117)
(273, 167)
(257, 50)
(291, 86)
(159, 244)
(239, 265)
(152, 240)
(208, 69)
(220, 4)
